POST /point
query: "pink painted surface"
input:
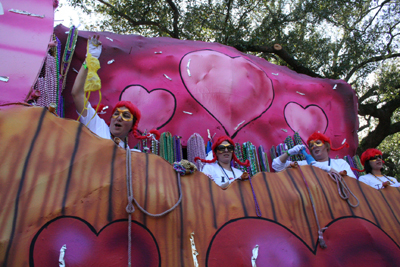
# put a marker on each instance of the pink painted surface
(23, 46)
(225, 91)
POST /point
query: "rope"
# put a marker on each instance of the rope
(321, 240)
(343, 189)
(130, 208)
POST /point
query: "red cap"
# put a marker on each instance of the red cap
(369, 153)
(325, 139)
(219, 141)
(136, 113)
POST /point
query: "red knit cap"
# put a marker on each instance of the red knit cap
(136, 113)
(325, 139)
(219, 141)
(369, 153)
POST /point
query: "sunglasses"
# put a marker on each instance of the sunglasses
(375, 158)
(125, 114)
(223, 148)
(315, 143)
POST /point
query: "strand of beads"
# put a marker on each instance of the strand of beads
(174, 148)
(68, 54)
(272, 152)
(196, 148)
(351, 163)
(178, 148)
(357, 162)
(154, 147)
(48, 83)
(167, 147)
(51, 79)
(252, 157)
(60, 106)
(239, 155)
(263, 159)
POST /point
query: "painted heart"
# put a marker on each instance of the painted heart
(233, 90)
(86, 247)
(157, 106)
(305, 120)
(350, 242)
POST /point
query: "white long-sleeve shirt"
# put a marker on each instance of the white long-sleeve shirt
(337, 164)
(376, 183)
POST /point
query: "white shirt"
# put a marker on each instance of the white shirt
(219, 175)
(374, 182)
(337, 164)
(98, 125)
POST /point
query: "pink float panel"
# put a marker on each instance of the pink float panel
(188, 86)
(23, 46)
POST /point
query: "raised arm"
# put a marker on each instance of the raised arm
(279, 163)
(78, 93)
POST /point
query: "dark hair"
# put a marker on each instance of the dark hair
(367, 167)
(214, 148)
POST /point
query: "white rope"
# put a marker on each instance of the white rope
(321, 240)
(343, 189)
(130, 208)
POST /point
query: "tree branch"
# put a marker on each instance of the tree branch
(228, 13)
(136, 23)
(278, 50)
(373, 59)
(394, 128)
(368, 94)
(176, 18)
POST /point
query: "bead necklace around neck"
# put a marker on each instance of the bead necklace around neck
(227, 177)
(383, 176)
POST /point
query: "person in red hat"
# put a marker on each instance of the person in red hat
(125, 115)
(219, 168)
(372, 161)
(319, 146)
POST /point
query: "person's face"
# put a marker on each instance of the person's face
(121, 122)
(224, 152)
(376, 162)
(319, 150)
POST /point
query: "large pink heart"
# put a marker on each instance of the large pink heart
(157, 106)
(351, 242)
(85, 247)
(305, 120)
(233, 90)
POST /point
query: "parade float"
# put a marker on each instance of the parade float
(64, 191)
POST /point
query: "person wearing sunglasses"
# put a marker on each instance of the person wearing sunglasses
(319, 146)
(219, 168)
(372, 161)
(125, 115)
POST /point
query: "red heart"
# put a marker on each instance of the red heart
(305, 120)
(85, 247)
(233, 90)
(350, 242)
(157, 106)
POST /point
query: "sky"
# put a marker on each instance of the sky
(69, 16)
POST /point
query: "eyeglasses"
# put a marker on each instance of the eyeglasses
(315, 143)
(222, 148)
(375, 158)
(125, 114)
